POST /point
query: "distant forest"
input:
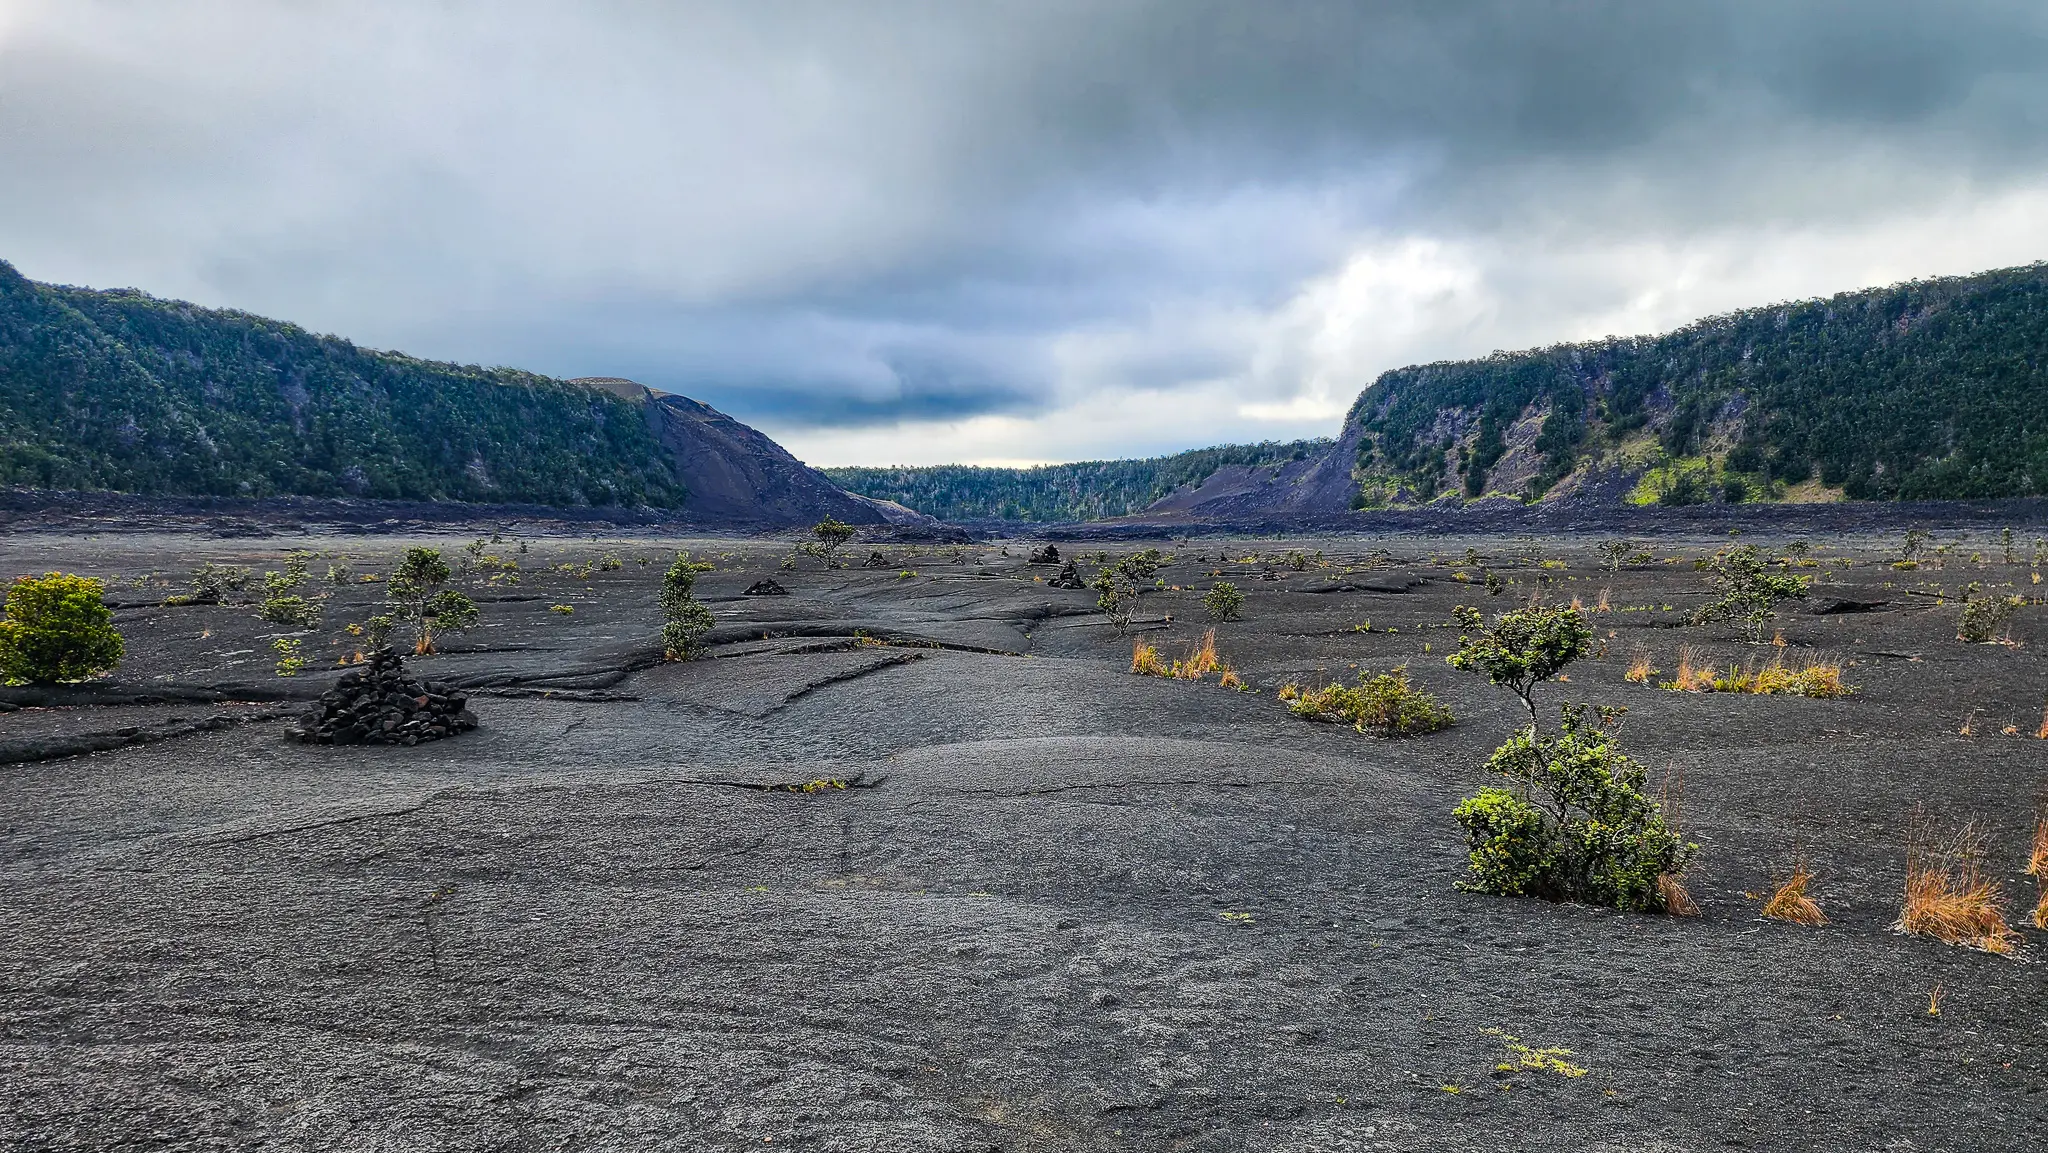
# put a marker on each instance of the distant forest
(120, 390)
(1053, 493)
(1925, 390)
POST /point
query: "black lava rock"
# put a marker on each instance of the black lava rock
(1069, 578)
(766, 587)
(379, 705)
(1050, 554)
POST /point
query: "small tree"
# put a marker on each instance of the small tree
(684, 619)
(1985, 618)
(1747, 590)
(415, 589)
(1117, 599)
(1523, 648)
(1615, 553)
(1223, 601)
(57, 628)
(832, 536)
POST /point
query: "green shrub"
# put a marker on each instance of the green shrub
(291, 658)
(1386, 704)
(419, 600)
(1574, 823)
(684, 619)
(1115, 599)
(1985, 618)
(1224, 601)
(1747, 590)
(57, 628)
(211, 583)
(291, 610)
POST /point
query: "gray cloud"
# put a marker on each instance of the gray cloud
(829, 217)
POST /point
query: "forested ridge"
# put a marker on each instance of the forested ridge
(1929, 389)
(118, 390)
(1053, 493)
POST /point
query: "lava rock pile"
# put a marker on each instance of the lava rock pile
(766, 587)
(380, 705)
(1050, 554)
(1069, 578)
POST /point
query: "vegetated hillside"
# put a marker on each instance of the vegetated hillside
(120, 390)
(1930, 389)
(1055, 493)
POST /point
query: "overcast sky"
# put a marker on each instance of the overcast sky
(1029, 231)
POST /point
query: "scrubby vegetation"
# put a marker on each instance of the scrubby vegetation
(1085, 490)
(57, 627)
(416, 593)
(119, 390)
(1201, 660)
(1386, 704)
(1812, 678)
(1574, 822)
(1789, 900)
(684, 619)
(1223, 602)
(1746, 590)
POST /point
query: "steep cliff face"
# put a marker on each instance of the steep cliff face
(736, 475)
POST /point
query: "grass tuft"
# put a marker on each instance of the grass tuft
(1948, 897)
(1677, 902)
(1817, 677)
(1639, 669)
(1200, 661)
(1789, 901)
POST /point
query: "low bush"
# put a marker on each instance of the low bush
(1746, 590)
(1224, 601)
(1574, 823)
(290, 610)
(211, 584)
(57, 628)
(1985, 619)
(1116, 599)
(1387, 704)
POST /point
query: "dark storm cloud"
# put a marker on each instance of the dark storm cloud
(831, 215)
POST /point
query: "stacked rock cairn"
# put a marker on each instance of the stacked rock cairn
(380, 705)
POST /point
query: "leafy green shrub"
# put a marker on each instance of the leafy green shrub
(1746, 590)
(1115, 599)
(1224, 601)
(291, 659)
(1985, 618)
(1142, 563)
(1386, 704)
(1574, 823)
(684, 619)
(211, 583)
(419, 600)
(57, 628)
(291, 610)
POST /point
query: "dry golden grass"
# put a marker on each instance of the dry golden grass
(2041, 734)
(1789, 901)
(1817, 677)
(1948, 897)
(1603, 605)
(2037, 852)
(1639, 670)
(1677, 901)
(1201, 660)
(2041, 911)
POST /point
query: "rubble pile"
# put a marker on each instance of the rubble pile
(766, 587)
(1069, 578)
(1047, 555)
(380, 705)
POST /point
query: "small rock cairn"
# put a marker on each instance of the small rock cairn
(380, 705)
